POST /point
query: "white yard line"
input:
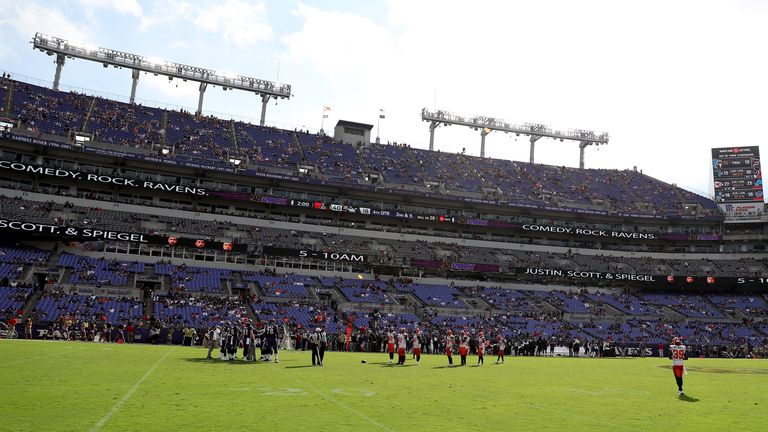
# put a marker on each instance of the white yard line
(100, 424)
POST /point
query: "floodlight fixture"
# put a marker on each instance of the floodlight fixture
(64, 49)
(534, 131)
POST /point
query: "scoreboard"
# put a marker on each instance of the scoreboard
(737, 175)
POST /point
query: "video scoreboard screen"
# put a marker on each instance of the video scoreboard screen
(737, 175)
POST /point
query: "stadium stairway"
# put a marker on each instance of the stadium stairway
(88, 115)
(671, 314)
(312, 292)
(164, 130)
(234, 136)
(297, 143)
(30, 304)
(8, 102)
(235, 278)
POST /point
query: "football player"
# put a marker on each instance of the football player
(417, 345)
(402, 342)
(391, 344)
(449, 340)
(480, 348)
(677, 353)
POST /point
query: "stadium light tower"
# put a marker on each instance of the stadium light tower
(64, 49)
(487, 125)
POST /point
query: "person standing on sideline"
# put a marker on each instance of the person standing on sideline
(480, 348)
(449, 340)
(214, 335)
(313, 342)
(270, 334)
(28, 328)
(130, 332)
(322, 345)
(249, 343)
(402, 343)
(501, 345)
(417, 345)
(391, 345)
(463, 347)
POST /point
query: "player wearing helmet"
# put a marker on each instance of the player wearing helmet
(677, 353)
(271, 333)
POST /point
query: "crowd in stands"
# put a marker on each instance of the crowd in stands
(98, 271)
(214, 140)
(59, 306)
(197, 311)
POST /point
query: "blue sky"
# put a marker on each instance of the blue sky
(667, 80)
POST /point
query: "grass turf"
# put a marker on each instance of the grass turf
(72, 386)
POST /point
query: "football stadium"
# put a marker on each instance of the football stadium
(184, 248)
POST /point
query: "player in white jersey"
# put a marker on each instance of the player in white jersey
(501, 346)
(463, 347)
(677, 353)
(402, 344)
(417, 345)
(391, 344)
(449, 341)
(480, 348)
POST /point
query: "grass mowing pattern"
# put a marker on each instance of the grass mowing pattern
(72, 386)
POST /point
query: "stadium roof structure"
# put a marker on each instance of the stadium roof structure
(64, 49)
(487, 125)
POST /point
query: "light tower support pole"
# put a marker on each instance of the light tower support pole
(582, 146)
(203, 86)
(57, 77)
(432, 127)
(264, 100)
(534, 138)
(483, 133)
(134, 83)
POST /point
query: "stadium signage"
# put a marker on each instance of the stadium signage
(589, 232)
(575, 274)
(473, 267)
(99, 178)
(303, 253)
(71, 232)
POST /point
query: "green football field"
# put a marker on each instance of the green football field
(72, 386)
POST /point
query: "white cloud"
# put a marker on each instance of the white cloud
(27, 18)
(130, 7)
(166, 13)
(237, 22)
(340, 45)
